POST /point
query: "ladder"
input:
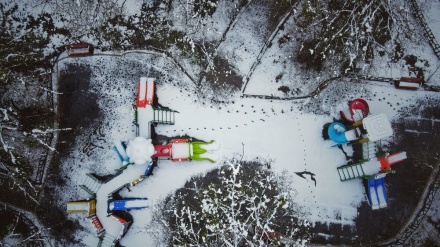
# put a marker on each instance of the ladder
(164, 115)
(96, 223)
(349, 172)
(91, 184)
(107, 241)
(126, 185)
(369, 150)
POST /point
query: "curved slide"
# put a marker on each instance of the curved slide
(359, 109)
(338, 133)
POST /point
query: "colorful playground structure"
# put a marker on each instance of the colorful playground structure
(365, 131)
(126, 204)
(139, 151)
(369, 129)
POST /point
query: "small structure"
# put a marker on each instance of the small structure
(82, 206)
(79, 49)
(145, 94)
(410, 83)
(366, 169)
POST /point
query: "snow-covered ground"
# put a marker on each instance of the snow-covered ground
(286, 133)
(269, 130)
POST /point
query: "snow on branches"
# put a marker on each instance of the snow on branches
(239, 204)
(349, 30)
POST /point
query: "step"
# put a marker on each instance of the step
(350, 172)
(107, 241)
(86, 181)
(95, 187)
(88, 190)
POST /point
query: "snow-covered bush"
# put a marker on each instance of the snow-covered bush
(350, 30)
(26, 45)
(149, 28)
(204, 7)
(239, 204)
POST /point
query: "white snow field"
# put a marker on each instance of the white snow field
(279, 131)
(255, 128)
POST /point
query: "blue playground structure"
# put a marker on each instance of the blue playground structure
(376, 193)
(336, 133)
(126, 204)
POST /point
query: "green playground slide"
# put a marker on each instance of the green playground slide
(198, 151)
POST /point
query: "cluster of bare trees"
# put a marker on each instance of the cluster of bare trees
(348, 31)
(240, 204)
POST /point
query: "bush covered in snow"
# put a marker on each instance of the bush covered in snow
(239, 204)
(350, 31)
(28, 41)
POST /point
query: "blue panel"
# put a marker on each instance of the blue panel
(335, 135)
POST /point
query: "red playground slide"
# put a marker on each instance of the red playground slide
(359, 109)
(145, 94)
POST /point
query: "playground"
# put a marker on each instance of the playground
(110, 109)
(359, 148)
(300, 149)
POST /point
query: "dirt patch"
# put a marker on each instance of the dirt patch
(223, 76)
(78, 110)
(78, 107)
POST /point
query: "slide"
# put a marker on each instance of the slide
(338, 133)
(145, 116)
(120, 150)
(126, 204)
(77, 207)
(359, 109)
(150, 91)
(391, 159)
(204, 151)
(145, 92)
(141, 100)
(376, 193)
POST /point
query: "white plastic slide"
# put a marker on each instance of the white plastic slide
(145, 116)
(374, 202)
(396, 157)
(150, 90)
(381, 196)
(77, 207)
(120, 150)
(142, 88)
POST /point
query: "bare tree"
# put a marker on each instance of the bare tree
(237, 205)
(350, 30)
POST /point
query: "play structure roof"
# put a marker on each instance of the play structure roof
(378, 127)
